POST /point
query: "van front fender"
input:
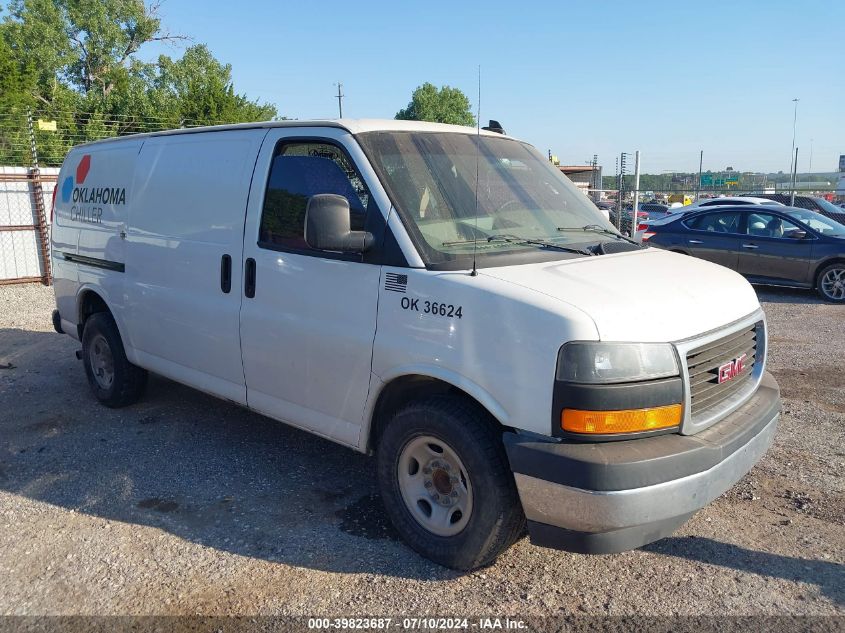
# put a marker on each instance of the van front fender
(378, 384)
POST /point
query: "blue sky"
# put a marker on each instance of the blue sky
(579, 78)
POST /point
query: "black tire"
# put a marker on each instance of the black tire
(838, 266)
(496, 520)
(128, 381)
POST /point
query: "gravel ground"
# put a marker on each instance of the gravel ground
(183, 504)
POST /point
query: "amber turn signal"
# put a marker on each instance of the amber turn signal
(627, 421)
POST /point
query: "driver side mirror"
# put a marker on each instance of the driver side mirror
(796, 234)
(327, 226)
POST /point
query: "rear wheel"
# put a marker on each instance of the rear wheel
(831, 283)
(114, 380)
(446, 483)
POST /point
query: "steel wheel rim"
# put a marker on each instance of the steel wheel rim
(101, 360)
(435, 485)
(833, 283)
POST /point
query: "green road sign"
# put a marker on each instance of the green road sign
(721, 180)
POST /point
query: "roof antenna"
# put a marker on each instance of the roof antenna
(477, 151)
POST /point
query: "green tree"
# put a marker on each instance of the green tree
(443, 105)
(16, 89)
(74, 61)
(16, 81)
(84, 44)
(201, 89)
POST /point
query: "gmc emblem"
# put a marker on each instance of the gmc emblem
(731, 369)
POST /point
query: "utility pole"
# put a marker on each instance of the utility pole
(794, 171)
(636, 192)
(618, 201)
(698, 185)
(622, 158)
(340, 99)
(810, 168)
(794, 122)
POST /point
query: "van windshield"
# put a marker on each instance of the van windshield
(432, 179)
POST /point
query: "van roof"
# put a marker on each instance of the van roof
(353, 126)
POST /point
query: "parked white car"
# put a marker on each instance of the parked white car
(443, 298)
(729, 200)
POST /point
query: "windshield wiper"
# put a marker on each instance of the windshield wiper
(512, 239)
(597, 229)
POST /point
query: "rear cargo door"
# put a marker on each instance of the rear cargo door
(184, 251)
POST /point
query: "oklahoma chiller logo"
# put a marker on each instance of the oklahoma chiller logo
(86, 200)
(81, 174)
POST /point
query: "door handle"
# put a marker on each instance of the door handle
(249, 278)
(695, 242)
(226, 273)
(751, 246)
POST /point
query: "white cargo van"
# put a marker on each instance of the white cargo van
(441, 297)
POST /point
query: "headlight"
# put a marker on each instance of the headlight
(599, 363)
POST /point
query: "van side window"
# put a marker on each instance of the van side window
(300, 170)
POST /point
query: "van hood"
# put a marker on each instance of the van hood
(649, 295)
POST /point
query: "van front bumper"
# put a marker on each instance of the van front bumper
(606, 497)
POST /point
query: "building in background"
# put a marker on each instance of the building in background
(585, 177)
(805, 185)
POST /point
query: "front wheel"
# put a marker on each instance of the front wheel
(446, 482)
(831, 284)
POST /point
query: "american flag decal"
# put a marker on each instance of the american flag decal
(395, 282)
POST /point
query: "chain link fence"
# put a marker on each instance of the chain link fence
(24, 230)
(55, 132)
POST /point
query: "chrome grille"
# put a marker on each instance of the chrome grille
(707, 394)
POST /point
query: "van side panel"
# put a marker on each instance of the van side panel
(190, 203)
(95, 191)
